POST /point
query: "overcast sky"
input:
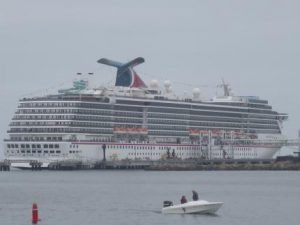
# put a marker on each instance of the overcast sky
(253, 45)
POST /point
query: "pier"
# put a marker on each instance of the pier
(176, 164)
(206, 165)
(124, 164)
(70, 165)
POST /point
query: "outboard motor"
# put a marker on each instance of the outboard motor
(168, 203)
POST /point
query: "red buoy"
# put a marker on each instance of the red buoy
(35, 213)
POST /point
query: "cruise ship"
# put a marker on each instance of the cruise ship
(135, 121)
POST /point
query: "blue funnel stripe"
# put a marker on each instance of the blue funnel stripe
(124, 78)
(110, 62)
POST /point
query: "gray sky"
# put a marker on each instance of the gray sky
(254, 45)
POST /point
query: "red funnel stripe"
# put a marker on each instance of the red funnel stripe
(137, 81)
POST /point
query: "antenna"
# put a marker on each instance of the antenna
(226, 88)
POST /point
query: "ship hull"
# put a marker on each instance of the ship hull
(93, 152)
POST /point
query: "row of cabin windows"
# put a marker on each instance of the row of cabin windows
(34, 151)
(94, 112)
(33, 146)
(130, 147)
(209, 120)
(136, 116)
(137, 109)
(112, 117)
(64, 104)
(73, 152)
(49, 104)
(164, 121)
(127, 103)
(188, 106)
(153, 153)
(201, 124)
(199, 116)
(41, 123)
(89, 124)
(149, 147)
(236, 154)
(56, 130)
(44, 117)
(93, 124)
(135, 154)
(76, 111)
(57, 123)
(108, 118)
(166, 132)
(165, 110)
(39, 151)
(44, 111)
(36, 138)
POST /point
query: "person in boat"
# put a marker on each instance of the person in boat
(195, 195)
(183, 199)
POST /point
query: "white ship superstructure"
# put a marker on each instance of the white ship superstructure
(133, 121)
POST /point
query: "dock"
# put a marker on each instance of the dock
(283, 163)
(207, 165)
(176, 164)
(70, 165)
(124, 164)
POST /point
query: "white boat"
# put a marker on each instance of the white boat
(200, 206)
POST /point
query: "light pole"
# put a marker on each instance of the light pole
(103, 149)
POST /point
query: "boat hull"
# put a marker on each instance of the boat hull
(194, 207)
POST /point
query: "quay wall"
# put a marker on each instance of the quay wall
(227, 165)
(169, 164)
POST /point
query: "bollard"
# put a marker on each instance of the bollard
(35, 213)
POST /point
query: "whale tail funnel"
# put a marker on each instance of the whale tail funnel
(126, 76)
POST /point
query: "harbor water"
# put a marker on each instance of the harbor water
(136, 197)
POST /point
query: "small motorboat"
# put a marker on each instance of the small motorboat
(199, 206)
